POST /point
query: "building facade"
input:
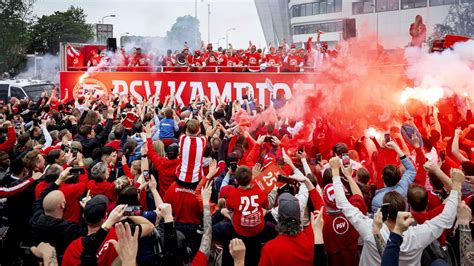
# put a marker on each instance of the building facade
(275, 21)
(388, 20)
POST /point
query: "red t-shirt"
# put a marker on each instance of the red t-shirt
(293, 63)
(340, 237)
(105, 256)
(289, 250)
(185, 205)
(272, 60)
(247, 205)
(227, 63)
(253, 61)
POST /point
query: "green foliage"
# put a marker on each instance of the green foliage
(185, 29)
(14, 33)
(459, 21)
(48, 31)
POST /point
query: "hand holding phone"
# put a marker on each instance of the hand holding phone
(146, 175)
(346, 160)
(384, 210)
(133, 210)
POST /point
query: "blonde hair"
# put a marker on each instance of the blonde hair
(121, 183)
(159, 147)
(137, 166)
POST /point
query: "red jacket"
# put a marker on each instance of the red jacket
(102, 188)
(10, 142)
(166, 168)
(10, 191)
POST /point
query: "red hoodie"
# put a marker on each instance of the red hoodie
(102, 188)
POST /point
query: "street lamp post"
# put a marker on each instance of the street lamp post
(208, 23)
(108, 16)
(219, 42)
(227, 37)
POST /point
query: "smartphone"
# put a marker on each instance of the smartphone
(384, 210)
(387, 137)
(146, 175)
(268, 139)
(77, 170)
(132, 210)
(346, 161)
(319, 157)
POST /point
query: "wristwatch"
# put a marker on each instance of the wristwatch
(144, 155)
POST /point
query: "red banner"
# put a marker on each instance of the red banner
(268, 178)
(186, 86)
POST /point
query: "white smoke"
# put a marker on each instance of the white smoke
(453, 70)
(47, 68)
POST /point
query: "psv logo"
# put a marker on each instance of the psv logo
(340, 225)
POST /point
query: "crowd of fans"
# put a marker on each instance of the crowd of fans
(284, 58)
(95, 182)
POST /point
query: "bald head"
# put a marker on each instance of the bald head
(54, 203)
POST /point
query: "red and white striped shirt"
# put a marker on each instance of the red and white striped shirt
(191, 150)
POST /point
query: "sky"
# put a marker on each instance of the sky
(155, 17)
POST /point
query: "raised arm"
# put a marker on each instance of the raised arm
(410, 172)
(455, 146)
(434, 169)
(361, 223)
(422, 235)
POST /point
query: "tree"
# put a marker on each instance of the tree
(460, 21)
(14, 24)
(185, 29)
(69, 26)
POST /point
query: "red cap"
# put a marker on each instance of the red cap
(293, 46)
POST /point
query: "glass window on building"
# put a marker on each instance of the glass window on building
(330, 6)
(363, 7)
(442, 2)
(338, 6)
(467, 1)
(316, 8)
(386, 5)
(313, 28)
(407, 4)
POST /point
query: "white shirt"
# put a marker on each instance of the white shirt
(415, 239)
